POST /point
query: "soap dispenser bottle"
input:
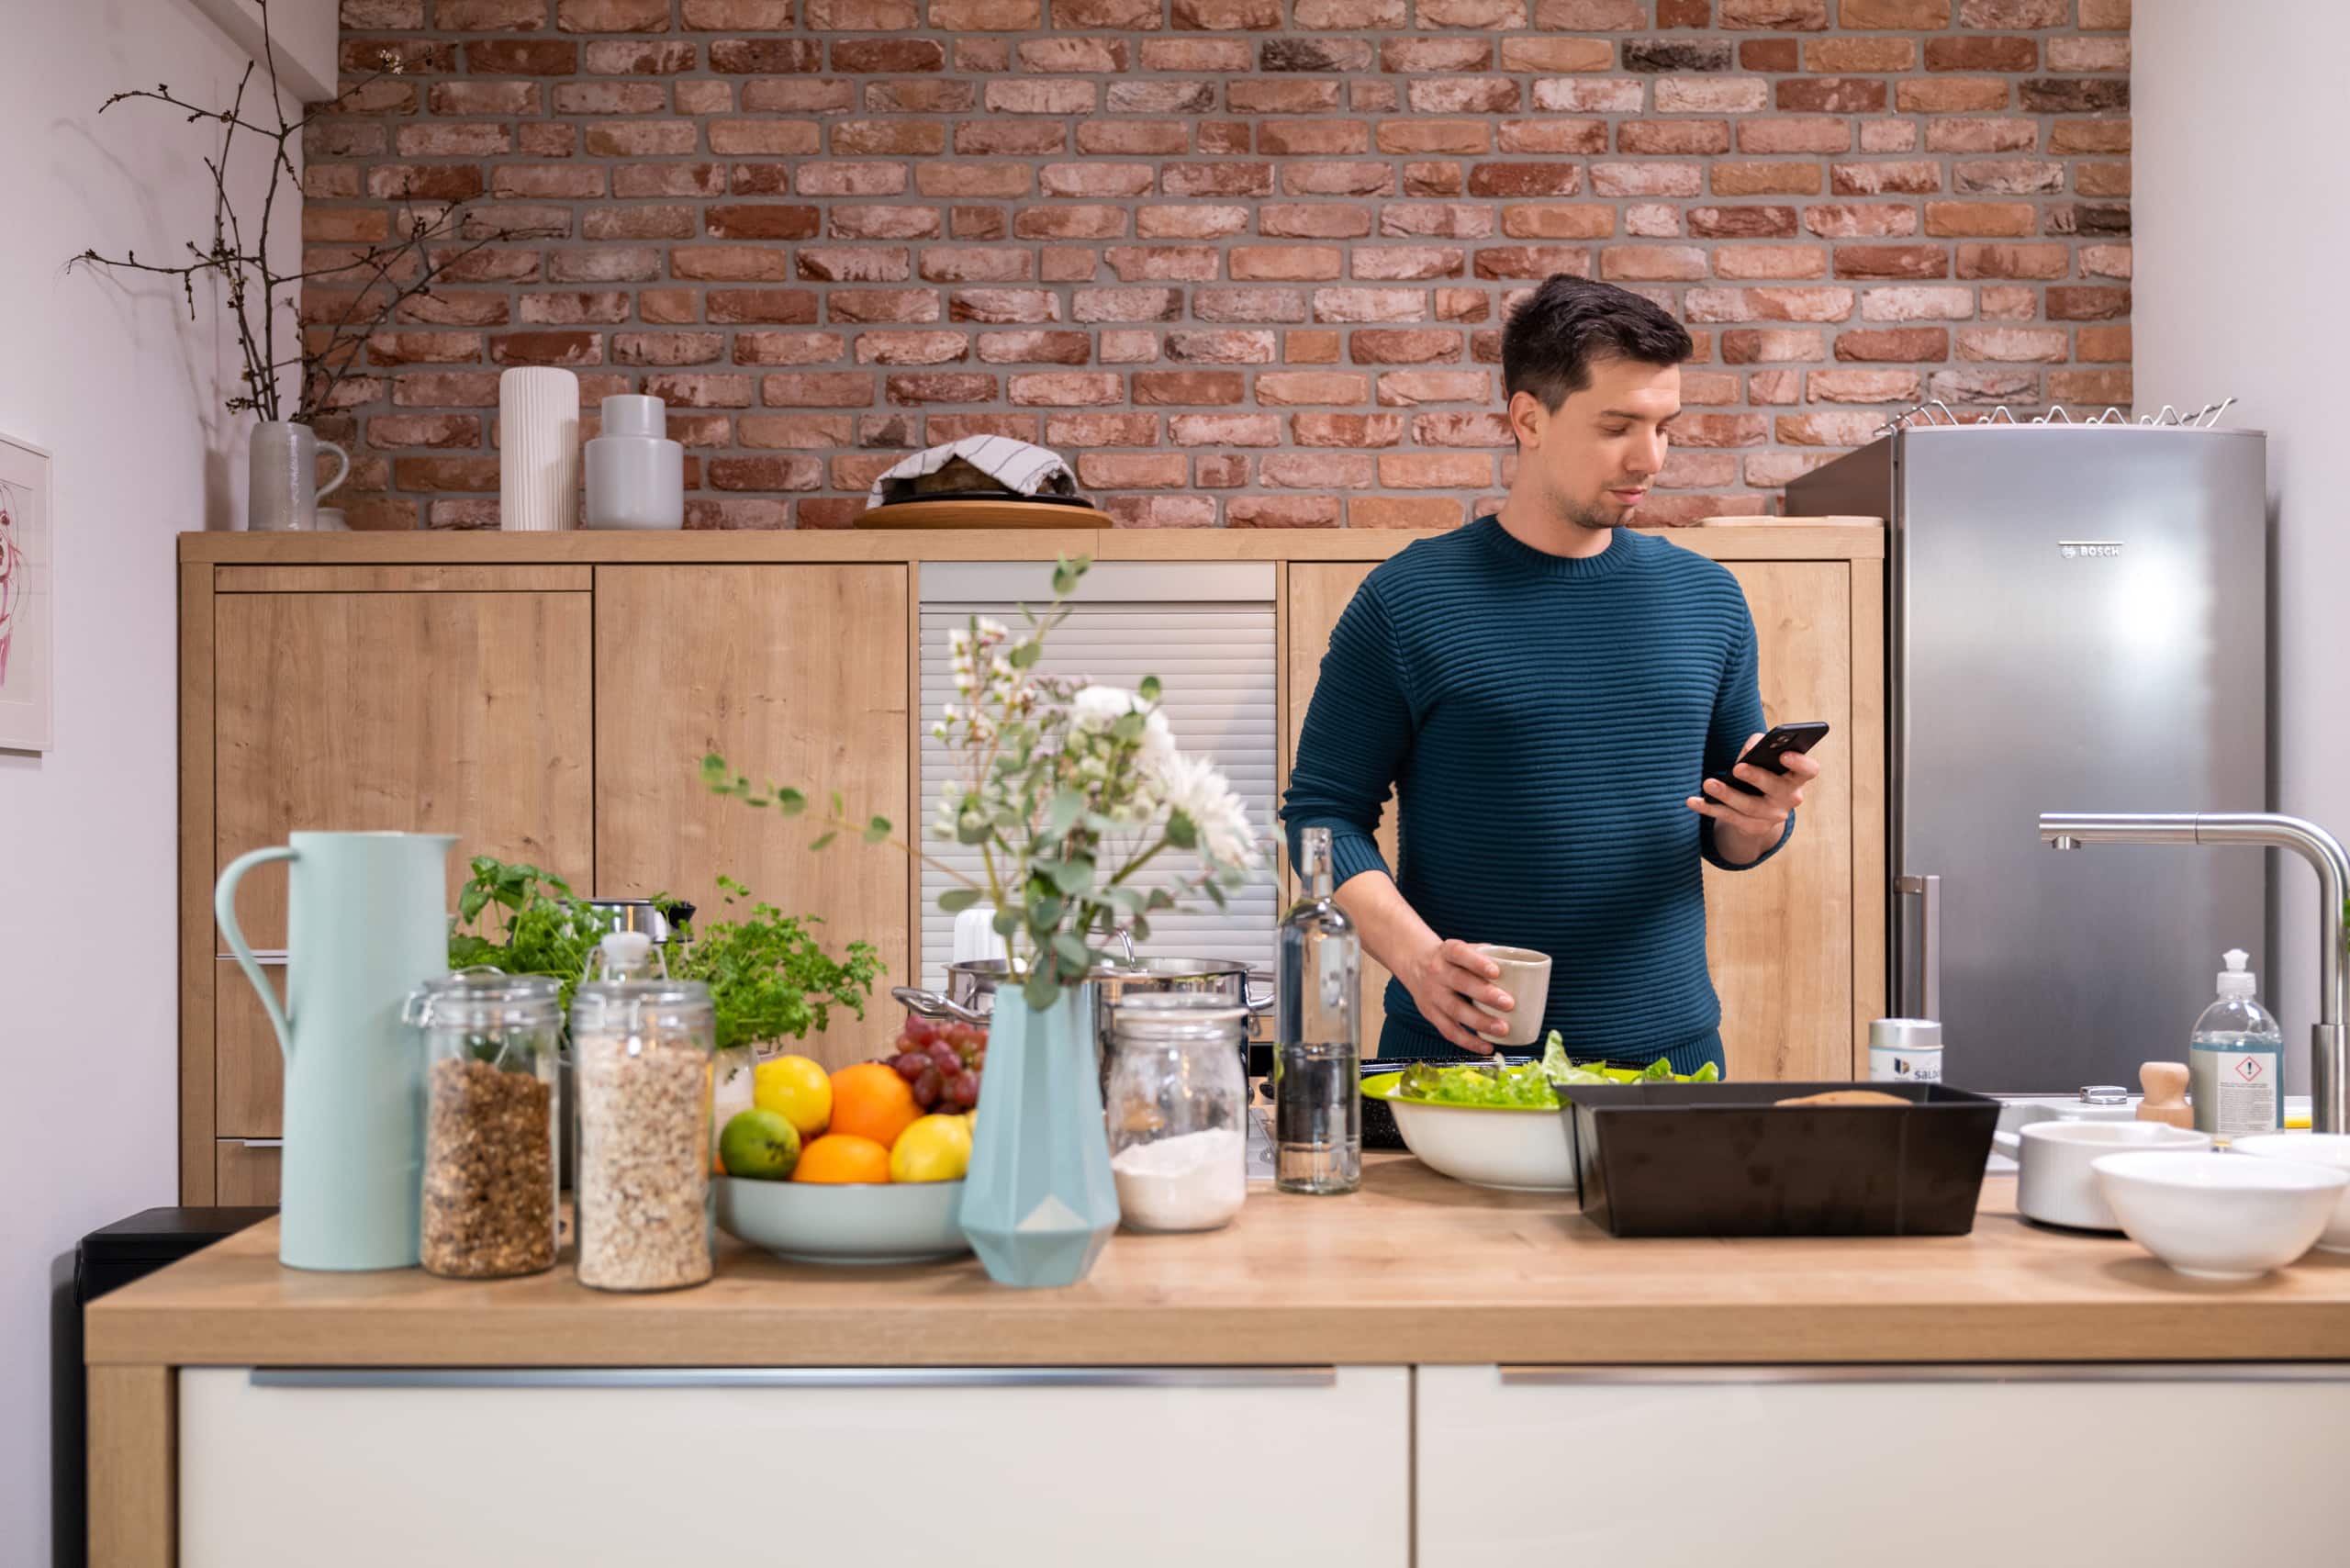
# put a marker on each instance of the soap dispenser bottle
(2235, 1061)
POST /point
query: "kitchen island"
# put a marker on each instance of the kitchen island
(1423, 1373)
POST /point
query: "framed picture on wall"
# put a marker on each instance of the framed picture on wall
(26, 557)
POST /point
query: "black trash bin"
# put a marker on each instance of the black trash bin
(106, 1259)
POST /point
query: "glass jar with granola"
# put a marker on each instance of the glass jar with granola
(491, 1105)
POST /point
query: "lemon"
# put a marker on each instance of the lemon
(935, 1148)
(796, 1088)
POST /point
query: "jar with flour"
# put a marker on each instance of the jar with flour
(1177, 1106)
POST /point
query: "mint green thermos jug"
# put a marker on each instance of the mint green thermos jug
(366, 921)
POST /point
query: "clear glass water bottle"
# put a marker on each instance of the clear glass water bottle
(1317, 1103)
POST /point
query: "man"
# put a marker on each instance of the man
(1550, 692)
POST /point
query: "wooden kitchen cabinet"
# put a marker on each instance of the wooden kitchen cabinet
(378, 705)
(549, 698)
(1319, 592)
(1779, 937)
(1794, 979)
(797, 675)
(247, 1172)
(1011, 1464)
(1837, 1467)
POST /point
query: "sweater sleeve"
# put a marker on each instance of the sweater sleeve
(1357, 733)
(1738, 713)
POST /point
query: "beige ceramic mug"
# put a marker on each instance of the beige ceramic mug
(1525, 975)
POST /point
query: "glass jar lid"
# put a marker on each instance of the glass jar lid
(633, 1005)
(1178, 1018)
(486, 999)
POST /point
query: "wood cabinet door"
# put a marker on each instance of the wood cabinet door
(1779, 938)
(445, 712)
(246, 1174)
(797, 676)
(1319, 592)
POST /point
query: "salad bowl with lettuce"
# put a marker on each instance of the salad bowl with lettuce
(1498, 1127)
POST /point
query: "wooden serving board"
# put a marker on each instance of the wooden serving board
(985, 514)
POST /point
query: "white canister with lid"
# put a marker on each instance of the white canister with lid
(636, 476)
(1905, 1050)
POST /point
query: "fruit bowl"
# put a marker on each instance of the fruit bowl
(808, 1221)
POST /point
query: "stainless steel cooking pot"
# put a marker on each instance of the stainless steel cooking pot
(972, 986)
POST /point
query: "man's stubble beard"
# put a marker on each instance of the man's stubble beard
(1566, 509)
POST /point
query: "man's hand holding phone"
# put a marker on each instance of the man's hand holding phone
(1750, 807)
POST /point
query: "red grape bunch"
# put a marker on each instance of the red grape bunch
(941, 1061)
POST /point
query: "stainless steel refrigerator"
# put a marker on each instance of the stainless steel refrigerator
(2076, 621)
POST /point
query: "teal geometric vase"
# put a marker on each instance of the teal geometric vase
(1039, 1202)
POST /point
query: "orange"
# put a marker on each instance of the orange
(842, 1158)
(870, 1100)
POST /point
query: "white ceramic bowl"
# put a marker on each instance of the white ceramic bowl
(2054, 1184)
(2313, 1148)
(2220, 1217)
(819, 1222)
(1521, 1151)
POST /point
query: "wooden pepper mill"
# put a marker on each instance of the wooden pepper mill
(2166, 1100)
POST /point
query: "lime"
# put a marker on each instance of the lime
(935, 1148)
(760, 1144)
(798, 1090)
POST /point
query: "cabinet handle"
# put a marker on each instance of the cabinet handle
(260, 1142)
(795, 1377)
(1989, 1372)
(268, 957)
(1928, 890)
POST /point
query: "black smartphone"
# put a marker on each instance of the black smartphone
(1782, 740)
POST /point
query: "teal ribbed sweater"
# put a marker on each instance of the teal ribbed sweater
(1542, 721)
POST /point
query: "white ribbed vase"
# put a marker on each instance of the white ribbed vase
(538, 449)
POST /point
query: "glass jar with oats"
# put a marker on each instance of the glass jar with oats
(491, 1107)
(641, 1050)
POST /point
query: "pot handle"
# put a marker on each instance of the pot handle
(1256, 1002)
(224, 909)
(930, 1004)
(2008, 1144)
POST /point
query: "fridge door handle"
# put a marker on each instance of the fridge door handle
(1927, 891)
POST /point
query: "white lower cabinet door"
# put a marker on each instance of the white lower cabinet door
(1930, 1467)
(1119, 1468)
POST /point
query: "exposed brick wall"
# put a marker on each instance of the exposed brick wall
(1243, 261)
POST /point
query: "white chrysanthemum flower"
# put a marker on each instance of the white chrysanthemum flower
(1096, 708)
(1192, 786)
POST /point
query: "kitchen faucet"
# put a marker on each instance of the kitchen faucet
(2329, 1072)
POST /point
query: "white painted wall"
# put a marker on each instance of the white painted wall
(304, 35)
(112, 377)
(2242, 213)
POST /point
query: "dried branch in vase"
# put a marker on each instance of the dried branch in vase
(365, 289)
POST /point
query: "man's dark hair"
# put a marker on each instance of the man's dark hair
(1570, 323)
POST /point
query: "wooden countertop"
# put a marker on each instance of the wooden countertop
(1414, 1269)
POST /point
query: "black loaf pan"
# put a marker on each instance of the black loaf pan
(1727, 1159)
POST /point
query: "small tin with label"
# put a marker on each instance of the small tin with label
(1905, 1050)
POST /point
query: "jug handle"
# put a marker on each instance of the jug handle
(224, 909)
